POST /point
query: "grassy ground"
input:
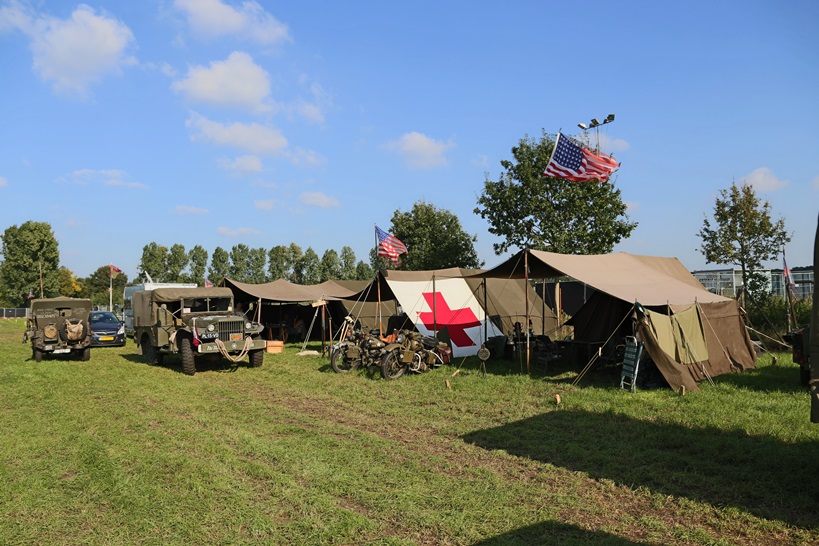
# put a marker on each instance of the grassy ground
(114, 451)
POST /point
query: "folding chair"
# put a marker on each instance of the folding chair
(631, 363)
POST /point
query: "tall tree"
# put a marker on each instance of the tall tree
(197, 264)
(30, 253)
(278, 262)
(308, 267)
(256, 262)
(528, 210)
(348, 263)
(330, 266)
(219, 265)
(239, 256)
(742, 233)
(154, 262)
(95, 286)
(434, 239)
(69, 284)
(296, 263)
(177, 262)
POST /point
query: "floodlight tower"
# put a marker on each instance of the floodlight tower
(595, 124)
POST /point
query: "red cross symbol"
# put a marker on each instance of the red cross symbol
(456, 320)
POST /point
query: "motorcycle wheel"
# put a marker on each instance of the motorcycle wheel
(340, 362)
(391, 366)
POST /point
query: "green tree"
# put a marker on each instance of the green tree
(197, 264)
(528, 210)
(308, 267)
(256, 261)
(330, 266)
(295, 257)
(177, 262)
(30, 253)
(219, 265)
(278, 263)
(348, 263)
(154, 262)
(95, 286)
(434, 238)
(239, 262)
(363, 272)
(742, 233)
(69, 284)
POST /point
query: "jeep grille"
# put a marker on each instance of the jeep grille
(227, 327)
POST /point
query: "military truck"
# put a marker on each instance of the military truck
(59, 326)
(194, 322)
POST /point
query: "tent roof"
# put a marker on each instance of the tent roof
(646, 279)
(284, 291)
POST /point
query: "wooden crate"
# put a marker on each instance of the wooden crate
(275, 346)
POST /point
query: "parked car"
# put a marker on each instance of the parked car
(107, 330)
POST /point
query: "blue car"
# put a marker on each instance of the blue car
(106, 329)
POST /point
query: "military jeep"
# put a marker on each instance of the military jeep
(194, 322)
(59, 326)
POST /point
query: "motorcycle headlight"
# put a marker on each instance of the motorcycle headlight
(400, 338)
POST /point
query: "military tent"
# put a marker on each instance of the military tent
(690, 333)
(470, 308)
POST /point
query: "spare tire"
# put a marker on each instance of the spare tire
(73, 330)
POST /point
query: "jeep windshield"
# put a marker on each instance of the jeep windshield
(206, 305)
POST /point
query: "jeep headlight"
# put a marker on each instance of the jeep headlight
(211, 327)
(248, 325)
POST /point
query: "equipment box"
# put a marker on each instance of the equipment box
(275, 346)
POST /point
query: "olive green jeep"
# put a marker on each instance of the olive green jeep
(194, 322)
(59, 326)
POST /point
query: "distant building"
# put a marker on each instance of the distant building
(726, 282)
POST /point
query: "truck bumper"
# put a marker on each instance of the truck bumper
(231, 346)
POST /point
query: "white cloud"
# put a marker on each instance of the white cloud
(237, 232)
(72, 53)
(106, 177)
(3, 182)
(303, 157)
(265, 204)
(184, 209)
(763, 179)
(420, 151)
(632, 206)
(236, 82)
(319, 199)
(243, 164)
(252, 137)
(214, 18)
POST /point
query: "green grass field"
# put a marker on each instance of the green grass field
(114, 451)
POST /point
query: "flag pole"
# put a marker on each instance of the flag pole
(110, 287)
(378, 283)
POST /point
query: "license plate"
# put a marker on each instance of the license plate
(61, 351)
(236, 337)
(106, 338)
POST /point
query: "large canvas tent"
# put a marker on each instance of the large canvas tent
(690, 333)
(470, 308)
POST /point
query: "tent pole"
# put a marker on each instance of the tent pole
(526, 294)
(485, 316)
(434, 312)
(814, 341)
(378, 307)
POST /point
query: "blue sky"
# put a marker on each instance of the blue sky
(219, 122)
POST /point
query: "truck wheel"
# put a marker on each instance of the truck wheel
(148, 352)
(256, 358)
(37, 354)
(186, 352)
(86, 354)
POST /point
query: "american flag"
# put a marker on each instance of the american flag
(571, 162)
(389, 246)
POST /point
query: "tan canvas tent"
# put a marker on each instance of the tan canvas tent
(472, 309)
(688, 347)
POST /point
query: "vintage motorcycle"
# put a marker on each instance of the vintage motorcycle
(356, 348)
(413, 352)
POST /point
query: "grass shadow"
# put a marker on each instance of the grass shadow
(762, 475)
(556, 533)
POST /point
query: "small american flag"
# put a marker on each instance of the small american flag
(389, 246)
(571, 162)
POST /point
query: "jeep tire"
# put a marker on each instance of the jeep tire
(256, 358)
(37, 354)
(186, 353)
